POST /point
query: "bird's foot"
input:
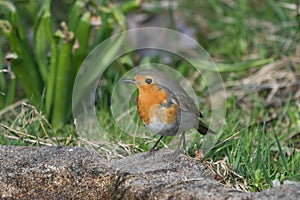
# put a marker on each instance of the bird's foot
(150, 152)
(179, 151)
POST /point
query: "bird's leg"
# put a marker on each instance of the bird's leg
(182, 145)
(183, 141)
(153, 148)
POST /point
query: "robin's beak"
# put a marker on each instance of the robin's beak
(132, 81)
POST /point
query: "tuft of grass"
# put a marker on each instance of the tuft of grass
(259, 150)
(22, 124)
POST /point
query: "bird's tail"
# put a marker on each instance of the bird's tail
(203, 129)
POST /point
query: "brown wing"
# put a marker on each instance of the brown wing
(187, 104)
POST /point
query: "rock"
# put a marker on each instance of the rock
(78, 173)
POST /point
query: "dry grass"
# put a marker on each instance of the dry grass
(17, 121)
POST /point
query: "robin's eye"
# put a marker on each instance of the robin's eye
(148, 80)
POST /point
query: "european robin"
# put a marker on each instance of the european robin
(164, 107)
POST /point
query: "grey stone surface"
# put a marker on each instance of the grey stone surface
(77, 173)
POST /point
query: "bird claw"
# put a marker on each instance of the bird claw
(149, 153)
(179, 151)
(153, 149)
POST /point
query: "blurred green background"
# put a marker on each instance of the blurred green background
(255, 44)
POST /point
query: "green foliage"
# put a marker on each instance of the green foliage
(48, 82)
(259, 152)
(232, 30)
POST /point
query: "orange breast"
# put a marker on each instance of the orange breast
(150, 101)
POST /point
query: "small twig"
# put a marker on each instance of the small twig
(227, 139)
(13, 106)
(16, 131)
(27, 140)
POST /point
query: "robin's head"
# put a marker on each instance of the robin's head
(146, 78)
(149, 78)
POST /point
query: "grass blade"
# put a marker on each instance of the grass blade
(63, 86)
(42, 38)
(24, 65)
(52, 77)
(283, 158)
(74, 14)
(82, 34)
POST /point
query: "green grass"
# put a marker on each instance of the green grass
(256, 46)
(262, 150)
